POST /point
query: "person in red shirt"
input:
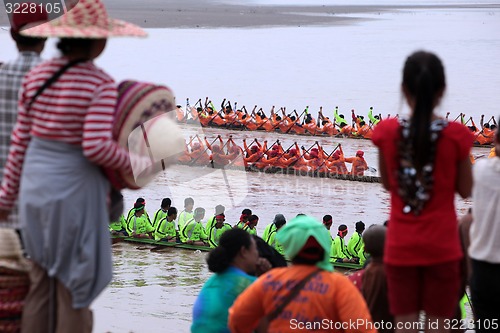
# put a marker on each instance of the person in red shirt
(423, 162)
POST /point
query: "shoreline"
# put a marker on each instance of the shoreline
(190, 14)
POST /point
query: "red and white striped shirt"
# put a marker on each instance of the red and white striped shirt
(77, 109)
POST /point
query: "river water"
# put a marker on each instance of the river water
(352, 66)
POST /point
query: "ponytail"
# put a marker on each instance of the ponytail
(424, 81)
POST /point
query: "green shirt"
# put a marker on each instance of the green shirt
(239, 225)
(159, 215)
(132, 212)
(272, 241)
(139, 225)
(210, 223)
(165, 229)
(183, 218)
(215, 234)
(355, 244)
(339, 249)
(193, 231)
(251, 231)
(267, 230)
(362, 255)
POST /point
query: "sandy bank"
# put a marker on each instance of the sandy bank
(212, 14)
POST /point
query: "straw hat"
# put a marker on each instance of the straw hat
(86, 19)
(11, 255)
(138, 102)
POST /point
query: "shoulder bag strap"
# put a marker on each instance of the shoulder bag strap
(291, 295)
(51, 80)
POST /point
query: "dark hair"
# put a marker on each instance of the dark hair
(360, 226)
(69, 45)
(25, 40)
(166, 202)
(140, 200)
(230, 244)
(188, 201)
(253, 218)
(424, 80)
(247, 211)
(327, 218)
(171, 211)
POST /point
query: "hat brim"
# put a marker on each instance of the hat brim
(56, 28)
(14, 265)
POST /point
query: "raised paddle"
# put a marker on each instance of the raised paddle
(329, 155)
(196, 159)
(275, 142)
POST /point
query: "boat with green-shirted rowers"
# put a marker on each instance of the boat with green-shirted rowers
(158, 246)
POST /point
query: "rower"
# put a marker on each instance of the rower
(219, 209)
(245, 214)
(339, 249)
(359, 164)
(187, 213)
(165, 230)
(192, 231)
(162, 212)
(132, 210)
(327, 222)
(270, 232)
(217, 230)
(356, 242)
(251, 225)
(138, 224)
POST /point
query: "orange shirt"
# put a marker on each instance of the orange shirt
(358, 165)
(486, 137)
(326, 299)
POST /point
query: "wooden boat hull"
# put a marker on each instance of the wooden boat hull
(158, 245)
(295, 172)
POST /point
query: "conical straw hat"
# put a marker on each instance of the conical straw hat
(87, 19)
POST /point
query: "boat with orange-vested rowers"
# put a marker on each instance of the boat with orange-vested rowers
(304, 124)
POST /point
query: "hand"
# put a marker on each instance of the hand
(263, 265)
(218, 136)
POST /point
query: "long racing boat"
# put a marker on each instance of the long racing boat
(158, 246)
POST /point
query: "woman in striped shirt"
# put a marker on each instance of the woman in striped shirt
(61, 141)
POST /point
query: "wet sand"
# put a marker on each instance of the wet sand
(213, 14)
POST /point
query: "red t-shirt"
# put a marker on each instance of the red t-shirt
(432, 237)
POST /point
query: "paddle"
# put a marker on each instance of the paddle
(298, 119)
(196, 159)
(330, 155)
(277, 141)
(222, 149)
(303, 153)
